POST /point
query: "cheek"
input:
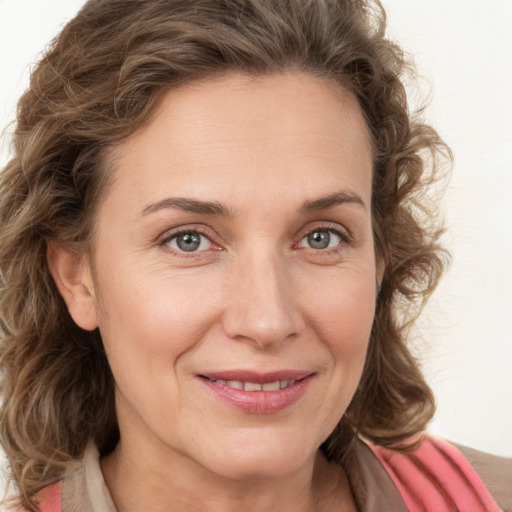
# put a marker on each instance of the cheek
(343, 311)
(342, 316)
(151, 321)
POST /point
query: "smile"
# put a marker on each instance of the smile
(259, 393)
(254, 386)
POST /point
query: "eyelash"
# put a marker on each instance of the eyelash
(345, 236)
(168, 237)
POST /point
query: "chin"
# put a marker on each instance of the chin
(265, 458)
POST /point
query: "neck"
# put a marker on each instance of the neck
(171, 482)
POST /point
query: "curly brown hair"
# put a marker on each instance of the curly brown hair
(98, 83)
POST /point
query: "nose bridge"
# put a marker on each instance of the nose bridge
(262, 306)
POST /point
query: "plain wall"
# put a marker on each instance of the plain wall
(464, 49)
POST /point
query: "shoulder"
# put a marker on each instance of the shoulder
(439, 476)
(495, 472)
(82, 488)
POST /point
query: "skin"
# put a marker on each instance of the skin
(255, 295)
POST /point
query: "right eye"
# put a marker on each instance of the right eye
(321, 239)
(188, 241)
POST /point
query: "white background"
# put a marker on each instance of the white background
(464, 49)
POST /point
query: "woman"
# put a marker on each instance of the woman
(213, 244)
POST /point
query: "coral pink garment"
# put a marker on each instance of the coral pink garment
(49, 498)
(436, 478)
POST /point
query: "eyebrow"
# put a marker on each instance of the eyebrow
(188, 205)
(324, 203)
(219, 210)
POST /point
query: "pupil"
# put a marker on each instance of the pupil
(319, 239)
(189, 242)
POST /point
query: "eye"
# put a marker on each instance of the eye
(321, 239)
(189, 241)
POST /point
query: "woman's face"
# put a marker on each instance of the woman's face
(234, 275)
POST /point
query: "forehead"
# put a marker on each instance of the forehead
(245, 135)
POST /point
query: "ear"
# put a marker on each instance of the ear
(73, 277)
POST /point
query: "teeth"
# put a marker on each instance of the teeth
(271, 386)
(254, 386)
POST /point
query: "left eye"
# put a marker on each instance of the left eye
(189, 241)
(321, 239)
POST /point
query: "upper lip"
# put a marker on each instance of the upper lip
(257, 377)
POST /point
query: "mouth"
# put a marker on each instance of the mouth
(258, 392)
(254, 386)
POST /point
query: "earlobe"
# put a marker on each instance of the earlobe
(72, 275)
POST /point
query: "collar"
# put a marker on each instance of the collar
(84, 488)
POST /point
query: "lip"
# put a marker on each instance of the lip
(258, 402)
(257, 377)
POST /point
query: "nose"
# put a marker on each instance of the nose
(263, 308)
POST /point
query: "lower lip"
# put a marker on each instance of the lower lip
(260, 402)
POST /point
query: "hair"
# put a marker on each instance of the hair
(99, 82)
